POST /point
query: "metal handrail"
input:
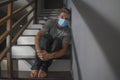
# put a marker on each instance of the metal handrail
(17, 23)
(21, 31)
(23, 8)
(4, 52)
(10, 26)
(2, 37)
(3, 3)
(4, 19)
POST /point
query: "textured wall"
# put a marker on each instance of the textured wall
(95, 26)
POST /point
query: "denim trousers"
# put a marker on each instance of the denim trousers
(50, 44)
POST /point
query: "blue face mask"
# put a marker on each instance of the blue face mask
(63, 22)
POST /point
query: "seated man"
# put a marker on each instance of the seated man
(51, 42)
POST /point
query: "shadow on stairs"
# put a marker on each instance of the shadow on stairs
(25, 75)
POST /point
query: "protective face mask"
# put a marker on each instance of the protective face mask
(63, 22)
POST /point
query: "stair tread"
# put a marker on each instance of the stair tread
(48, 13)
(52, 75)
(33, 58)
(36, 26)
(31, 32)
(18, 52)
(26, 40)
(47, 17)
(52, 9)
(44, 10)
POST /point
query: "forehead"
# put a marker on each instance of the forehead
(63, 14)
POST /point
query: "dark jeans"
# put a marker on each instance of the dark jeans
(50, 45)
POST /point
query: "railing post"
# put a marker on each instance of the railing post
(35, 12)
(9, 27)
(0, 68)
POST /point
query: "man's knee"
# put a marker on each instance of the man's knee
(56, 45)
(49, 44)
(45, 42)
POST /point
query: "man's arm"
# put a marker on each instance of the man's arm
(61, 52)
(47, 56)
(37, 38)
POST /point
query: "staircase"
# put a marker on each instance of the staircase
(23, 54)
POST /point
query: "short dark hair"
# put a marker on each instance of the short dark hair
(65, 10)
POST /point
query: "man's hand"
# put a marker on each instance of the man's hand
(44, 55)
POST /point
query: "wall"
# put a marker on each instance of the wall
(40, 6)
(96, 31)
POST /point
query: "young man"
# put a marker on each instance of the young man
(51, 42)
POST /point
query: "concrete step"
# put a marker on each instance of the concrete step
(25, 55)
(57, 65)
(60, 65)
(35, 26)
(42, 21)
(48, 14)
(28, 52)
(47, 17)
(26, 40)
(30, 32)
(50, 10)
(43, 18)
(25, 75)
(23, 52)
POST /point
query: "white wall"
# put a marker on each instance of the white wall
(110, 9)
(95, 26)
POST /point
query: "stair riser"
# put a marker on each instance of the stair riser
(35, 26)
(48, 14)
(23, 52)
(42, 22)
(26, 40)
(47, 17)
(51, 11)
(23, 65)
(30, 32)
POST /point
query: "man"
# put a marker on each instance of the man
(51, 42)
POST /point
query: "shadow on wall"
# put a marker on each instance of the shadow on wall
(105, 33)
